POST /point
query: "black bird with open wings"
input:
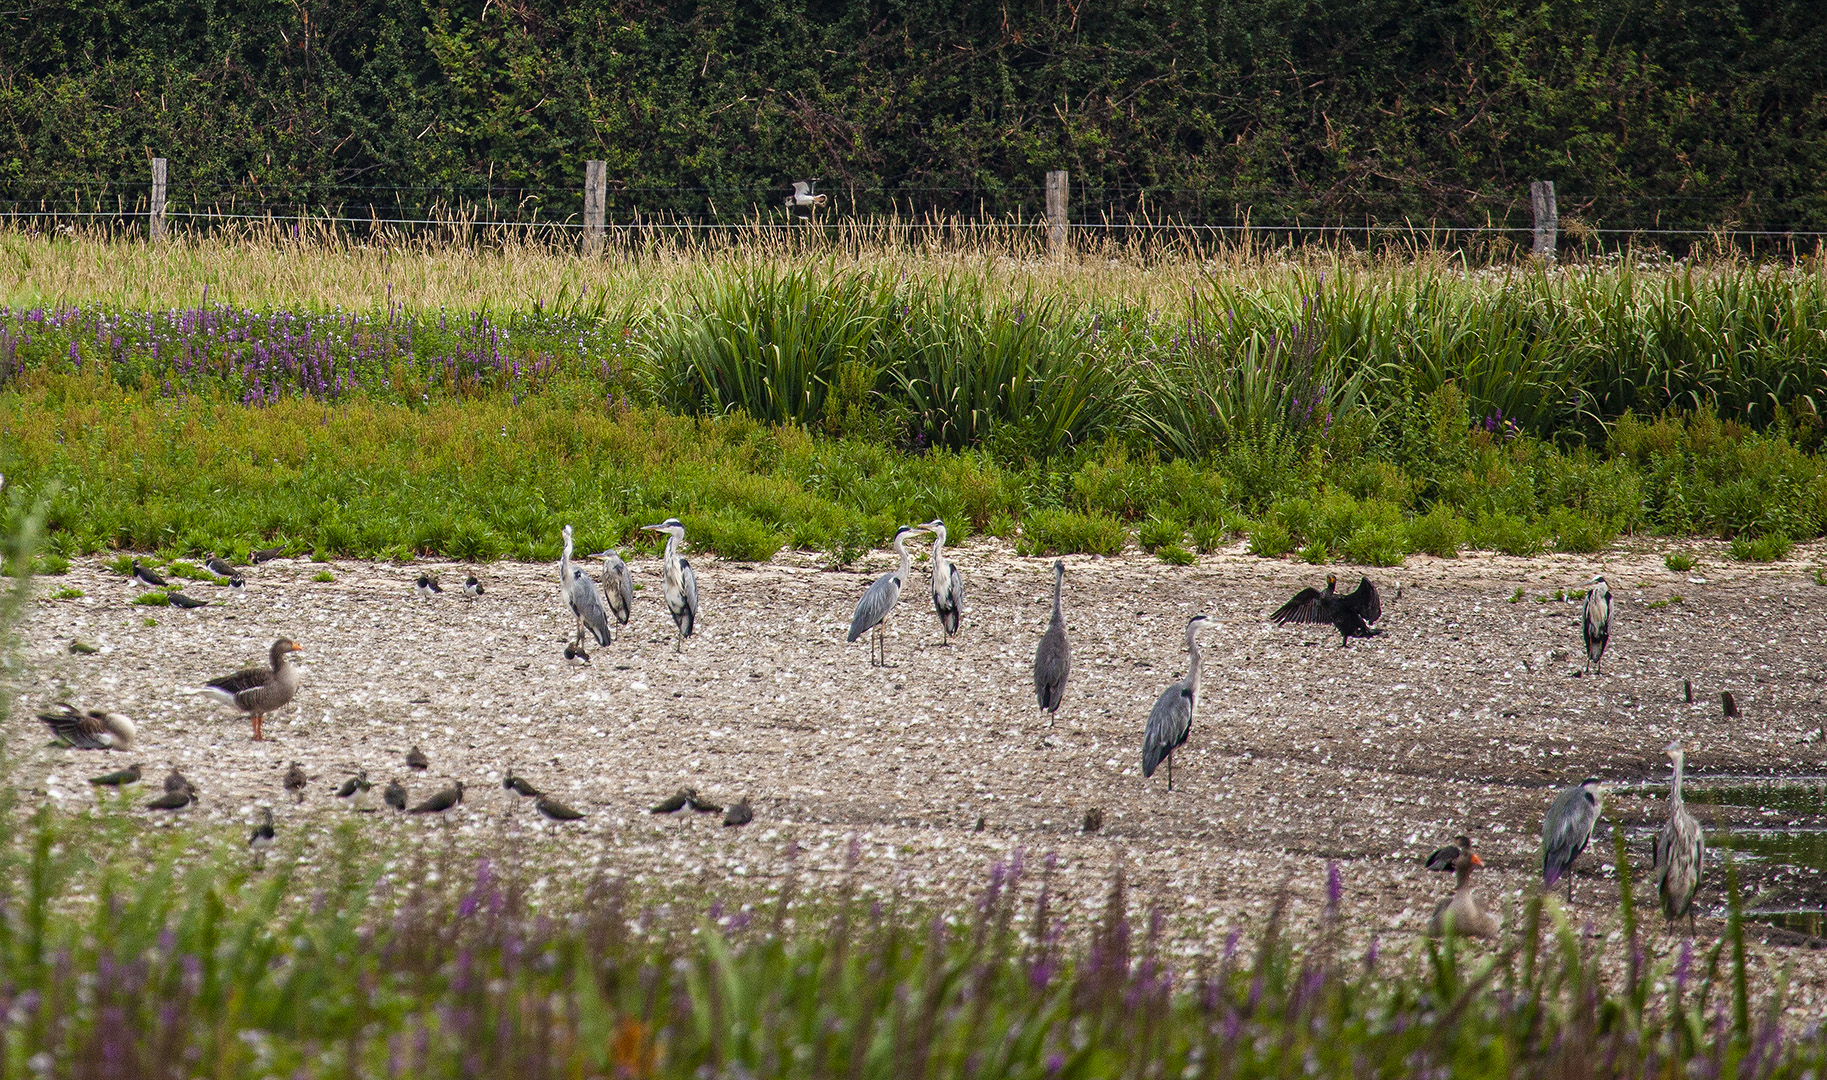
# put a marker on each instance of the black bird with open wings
(1351, 613)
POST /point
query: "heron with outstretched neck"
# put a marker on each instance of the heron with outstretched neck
(1171, 720)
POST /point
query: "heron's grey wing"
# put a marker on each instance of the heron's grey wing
(589, 606)
(1443, 858)
(1565, 831)
(619, 589)
(1364, 601)
(1595, 620)
(875, 604)
(1052, 663)
(688, 578)
(1305, 607)
(1168, 724)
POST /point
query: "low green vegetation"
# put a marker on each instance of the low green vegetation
(1678, 561)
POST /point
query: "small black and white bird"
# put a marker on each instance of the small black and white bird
(238, 584)
(395, 795)
(356, 792)
(262, 837)
(427, 587)
(803, 197)
(1351, 613)
(675, 802)
(267, 554)
(704, 806)
(120, 778)
(575, 655)
(295, 780)
(442, 801)
(220, 567)
(555, 810)
(147, 576)
(416, 759)
(173, 800)
(472, 587)
(740, 813)
(178, 599)
(519, 786)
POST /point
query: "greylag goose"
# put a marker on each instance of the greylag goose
(147, 576)
(1171, 720)
(178, 599)
(1595, 623)
(1566, 829)
(878, 602)
(395, 795)
(219, 566)
(119, 778)
(582, 598)
(678, 581)
(472, 587)
(1053, 659)
(1460, 913)
(262, 836)
(1680, 851)
(92, 730)
(555, 810)
(618, 586)
(416, 759)
(356, 792)
(258, 691)
(1351, 614)
(295, 780)
(675, 802)
(947, 583)
(427, 587)
(740, 813)
(442, 801)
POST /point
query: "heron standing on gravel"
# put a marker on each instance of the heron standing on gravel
(1680, 851)
(1053, 660)
(678, 581)
(1171, 720)
(618, 587)
(1566, 829)
(1595, 623)
(948, 583)
(877, 604)
(580, 594)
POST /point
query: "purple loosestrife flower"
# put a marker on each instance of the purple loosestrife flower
(1335, 888)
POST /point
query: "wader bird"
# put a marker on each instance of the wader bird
(258, 691)
(948, 583)
(1566, 829)
(1171, 720)
(873, 610)
(678, 581)
(1680, 851)
(1595, 623)
(1460, 913)
(1053, 660)
(580, 594)
(1351, 614)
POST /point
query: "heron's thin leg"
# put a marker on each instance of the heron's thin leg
(1570, 886)
(1170, 770)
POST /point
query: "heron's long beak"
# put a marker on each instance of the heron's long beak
(1476, 861)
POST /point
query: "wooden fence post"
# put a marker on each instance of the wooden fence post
(596, 186)
(155, 223)
(1547, 219)
(1056, 213)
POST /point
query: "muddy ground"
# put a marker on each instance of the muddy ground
(1465, 715)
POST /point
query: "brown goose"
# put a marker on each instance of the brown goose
(258, 691)
(1461, 912)
(92, 730)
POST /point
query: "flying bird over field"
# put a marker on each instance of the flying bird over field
(120, 778)
(1351, 614)
(802, 194)
(1171, 720)
(947, 583)
(878, 602)
(1566, 830)
(1461, 912)
(442, 801)
(678, 581)
(618, 586)
(581, 598)
(1595, 623)
(92, 730)
(1680, 854)
(1053, 660)
(259, 691)
(148, 577)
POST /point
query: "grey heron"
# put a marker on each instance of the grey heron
(1351, 614)
(1053, 659)
(618, 586)
(1566, 829)
(580, 594)
(678, 581)
(802, 194)
(1595, 623)
(948, 583)
(1460, 913)
(1680, 850)
(92, 730)
(442, 801)
(258, 691)
(873, 610)
(1171, 720)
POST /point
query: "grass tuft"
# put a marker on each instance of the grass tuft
(1771, 547)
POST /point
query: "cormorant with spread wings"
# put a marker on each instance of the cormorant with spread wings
(1351, 613)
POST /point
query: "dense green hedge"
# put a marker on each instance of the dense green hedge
(1645, 113)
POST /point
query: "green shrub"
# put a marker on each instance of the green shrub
(1062, 532)
(1377, 545)
(736, 536)
(155, 598)
(1678, 561)
(120, 564)
(1156, 533)
(67, 593)
(1579, 532)
(50, 563)
(1438, 532)
(1772, 547)
(1508, 534)
(1316, 552)
(1210, 535)
(323, 576)
(1270, 537)
(1176, 555)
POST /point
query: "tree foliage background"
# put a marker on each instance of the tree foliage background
(1644, 112)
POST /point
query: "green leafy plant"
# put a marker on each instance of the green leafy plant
(67, 593)
(1771, 547)
(1048, 532)
(153, 598)
(1175, 555)
(324, 576)
(1678, 561)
